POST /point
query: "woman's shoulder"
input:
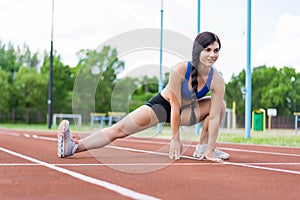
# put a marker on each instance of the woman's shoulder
(217, 77)
(178, 71)
(180, 67)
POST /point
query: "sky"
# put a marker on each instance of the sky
(86, 24)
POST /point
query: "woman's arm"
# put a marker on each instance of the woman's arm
(216, 113)
(175, 146)
(174, 90)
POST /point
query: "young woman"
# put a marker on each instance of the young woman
(182, 102)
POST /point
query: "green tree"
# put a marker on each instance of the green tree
(8, 59)
(5, 92)
(271, 88)
(122, 95)
(233, 92)
(108, 78)
(26, 58)
(63, 80)
(11, 60)
(95, 80)
(275, 91)
(29, 90)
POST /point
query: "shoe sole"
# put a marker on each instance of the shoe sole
(213, 159)
(221, 157)
(60, 138)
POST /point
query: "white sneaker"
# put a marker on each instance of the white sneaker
(221, 154)
(65, 145)
(200, 149)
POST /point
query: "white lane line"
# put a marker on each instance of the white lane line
(260, 152)
(263, 168)
(116, 188)
(296, 163)
(141, 164)
(110, 164)
(222, 148)
(227, 163)
(11, 134)
(44, 138)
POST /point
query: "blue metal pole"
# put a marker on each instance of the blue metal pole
(197, 131)
(160, 82)
(198, 19)
(248, 74)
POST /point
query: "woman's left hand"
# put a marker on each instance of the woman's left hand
(175, 149)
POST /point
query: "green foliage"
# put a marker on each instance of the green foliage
(8, 60)
(262, 138)
(95, 80)
(143, 91)
(271, 88)
(233, 92)
(122, 93)
(29, 91)
(147, 85)
(26, 58)
(138, 100)
(5, 91)
(94, 86)
(11, 59)
(63, 80)
(107, 79)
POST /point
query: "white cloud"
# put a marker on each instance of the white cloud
(87, 24)
(284, 48)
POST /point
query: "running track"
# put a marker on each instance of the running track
(135, 168)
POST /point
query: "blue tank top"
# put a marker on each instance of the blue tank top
(186, 93)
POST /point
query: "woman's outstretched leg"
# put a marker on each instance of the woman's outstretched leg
(138, 120)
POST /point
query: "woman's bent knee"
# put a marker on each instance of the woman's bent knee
(117, 131)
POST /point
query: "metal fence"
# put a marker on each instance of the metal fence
(280, 122)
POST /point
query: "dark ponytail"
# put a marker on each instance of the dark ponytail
(202, 40)
(194, 97)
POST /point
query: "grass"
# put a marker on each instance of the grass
(282, 137)
(262, 138)
(25, 126)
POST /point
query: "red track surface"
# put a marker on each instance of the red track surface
(30, 169)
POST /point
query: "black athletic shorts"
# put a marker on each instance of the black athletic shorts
(161, 107)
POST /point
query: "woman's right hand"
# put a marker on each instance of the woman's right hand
(175, 149)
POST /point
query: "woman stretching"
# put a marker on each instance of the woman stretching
(182, 102)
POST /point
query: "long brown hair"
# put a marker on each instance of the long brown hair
(202, 40)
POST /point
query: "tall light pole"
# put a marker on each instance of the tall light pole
(50, 74)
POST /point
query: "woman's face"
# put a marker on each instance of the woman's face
(210, 54)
